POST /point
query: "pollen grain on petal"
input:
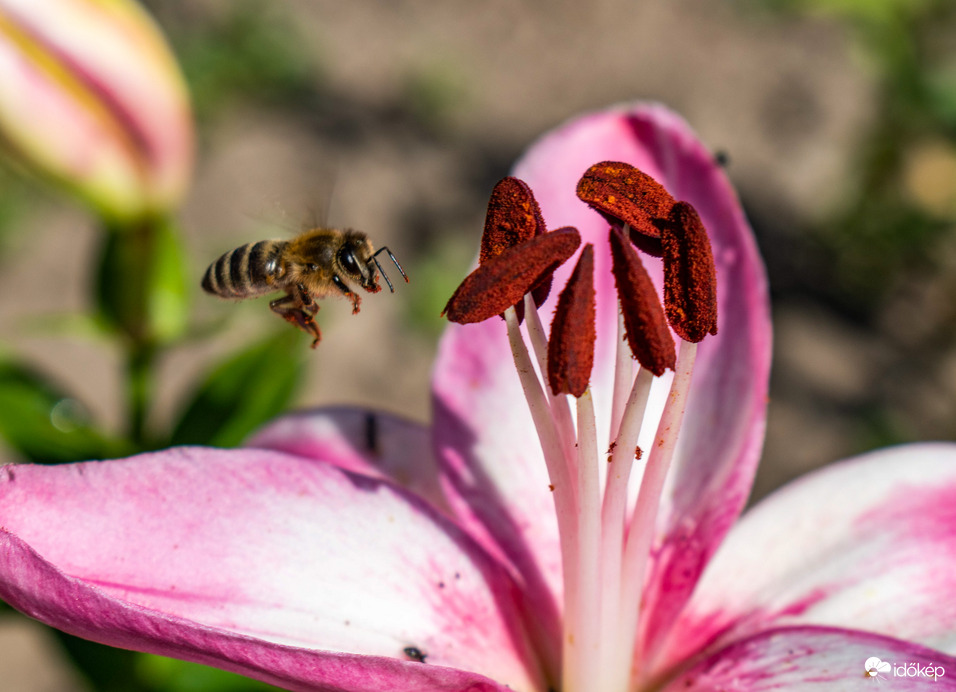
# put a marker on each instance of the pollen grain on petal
(690, 277)
(502, 281)
(571, 344)
(513, 217)
(624, 194)
(645, 327)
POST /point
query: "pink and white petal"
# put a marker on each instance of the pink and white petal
(723, 428)
(811, 659)
(206, 554)
(492, 467)
(869, 542)
(373, 443)
(41, 590)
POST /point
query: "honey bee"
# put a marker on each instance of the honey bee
(318, 263)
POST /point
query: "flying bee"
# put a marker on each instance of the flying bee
(318, 263)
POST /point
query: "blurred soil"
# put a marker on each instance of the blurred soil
(424, 105)
(30, 660)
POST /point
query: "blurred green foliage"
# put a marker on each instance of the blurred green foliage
(17, 196)
(437, 275)
(244, 392)
(251, 51)
(106, 669)
(141, 305)
(161, 674)
(142, 284)
(433, 94)
(896, 211)
(44, 424)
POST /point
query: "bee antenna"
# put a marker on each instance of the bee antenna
(381, 271)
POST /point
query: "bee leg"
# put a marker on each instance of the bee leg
(305, 299)
(291, 309)
(351, 295)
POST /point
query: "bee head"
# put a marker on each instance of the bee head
(359, 261)
(354, 258)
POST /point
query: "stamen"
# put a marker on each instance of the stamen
(583, 657)
(623, 194)
(513, 218)
(690, 278)
(502, 281)
(646, 329)
(613, 521)
(539, 293)
(623, 367)
(559, 471)
(571, 346)
(640, 531)
(560, 407)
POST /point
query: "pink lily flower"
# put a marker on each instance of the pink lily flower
(352, 551)
(91, 98)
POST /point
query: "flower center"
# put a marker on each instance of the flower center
(605, 549)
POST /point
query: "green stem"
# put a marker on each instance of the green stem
(141, 358)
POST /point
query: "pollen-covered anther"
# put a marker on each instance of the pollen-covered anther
(644, 325)
(690, 277)
(625, 195)
(502, 281)
(513, 217)
(571, 344)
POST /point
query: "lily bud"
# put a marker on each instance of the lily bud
(91, 98)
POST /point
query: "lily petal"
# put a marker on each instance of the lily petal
(492, 467)
(224, 557)
(373, 443)
(817, 659)
(870, 541)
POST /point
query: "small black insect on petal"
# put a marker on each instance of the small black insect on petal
(415, 654)
(372, 435)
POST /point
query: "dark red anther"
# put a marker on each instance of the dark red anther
(571, 344)
(623, 194)
(690, 278)
(646, 329)
(502, 281)
(513, 217)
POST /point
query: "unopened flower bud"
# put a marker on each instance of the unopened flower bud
(91, 97)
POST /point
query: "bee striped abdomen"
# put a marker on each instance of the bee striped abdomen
(249, 270)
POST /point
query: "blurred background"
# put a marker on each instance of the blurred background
(836, 119)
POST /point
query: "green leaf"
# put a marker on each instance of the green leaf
(106, 668)
(246, 391)
(44, 424)
(141, 286)
(168, 291)
(867, 11)
(251, 50)
(171, 675)
(437, 275)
